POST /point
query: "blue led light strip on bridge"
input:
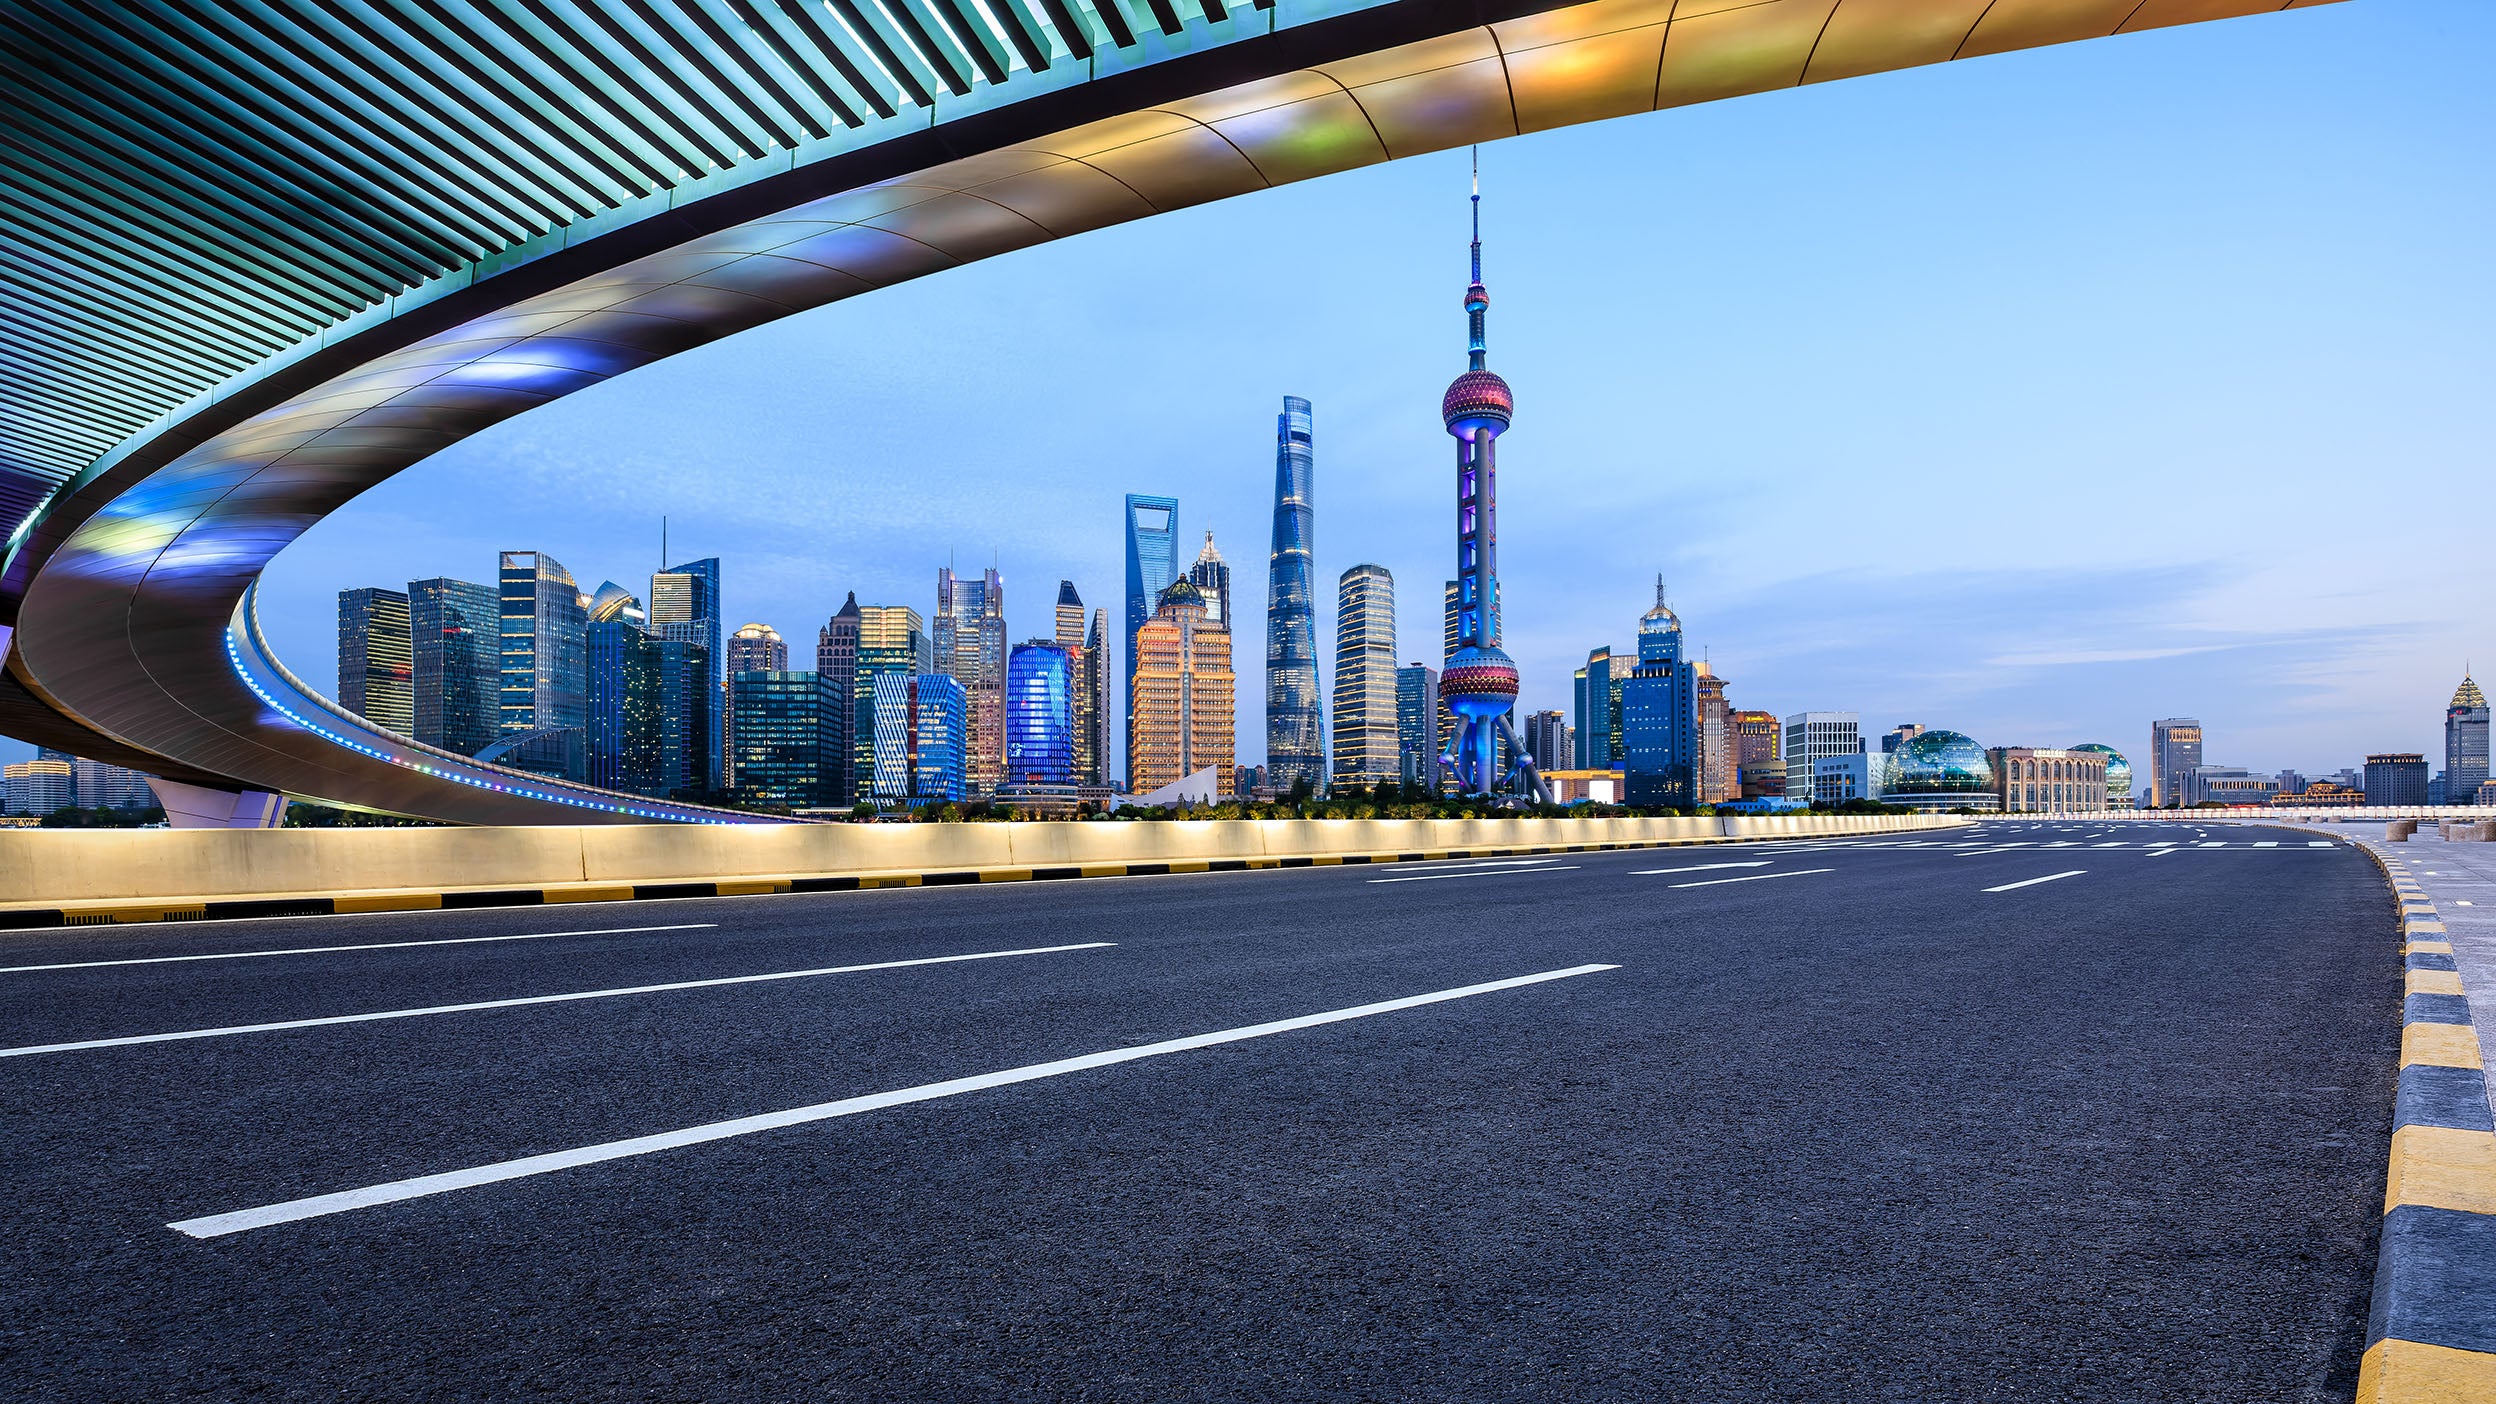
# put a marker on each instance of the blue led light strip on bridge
(234, 655)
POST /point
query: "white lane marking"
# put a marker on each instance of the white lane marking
(1482, 872)
(2319, 843)
(216, 1225)
(1477, 864)
(2109, 845)
(369, 946)
(2214, 845)
(2053, 877)
(1697, 868)
(2169, 852)
(1755, 877)
(2163, 843)
(2267, 844)
(32, 1050)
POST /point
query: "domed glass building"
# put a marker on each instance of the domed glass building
(2118, 774)
(1939, 770)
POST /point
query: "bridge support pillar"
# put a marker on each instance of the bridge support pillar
(198, 807)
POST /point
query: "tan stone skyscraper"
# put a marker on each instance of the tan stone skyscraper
(1717, 781)
(1183, 694)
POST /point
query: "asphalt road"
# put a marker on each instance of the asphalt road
(1851, 1128)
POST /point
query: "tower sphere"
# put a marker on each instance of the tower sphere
(1478, 681)
(1477, 403)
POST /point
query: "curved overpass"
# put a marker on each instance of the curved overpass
(848, 148)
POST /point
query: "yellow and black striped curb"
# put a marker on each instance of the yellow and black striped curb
(111, 913)
(2431, 1337)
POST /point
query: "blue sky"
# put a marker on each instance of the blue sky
(2033, 396)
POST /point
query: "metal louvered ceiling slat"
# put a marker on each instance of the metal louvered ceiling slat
(191, 189)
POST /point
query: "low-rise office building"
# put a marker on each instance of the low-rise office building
(2396, 778)
(2037, 780)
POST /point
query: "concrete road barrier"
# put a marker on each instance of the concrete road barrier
(176, 873)
(2399, 830)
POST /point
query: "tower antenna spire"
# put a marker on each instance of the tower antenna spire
(1477, 301)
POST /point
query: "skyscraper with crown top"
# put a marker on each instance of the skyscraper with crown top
(2465, 742)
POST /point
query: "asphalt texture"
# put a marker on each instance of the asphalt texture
(1865, 1134)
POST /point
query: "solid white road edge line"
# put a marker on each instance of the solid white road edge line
(1481, 872)
(1700, 868)
(2051, 877)
(217, 1225)
(33, 1049)
(1755, 877)
(368, 946)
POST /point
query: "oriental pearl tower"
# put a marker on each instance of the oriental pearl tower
(1479, 682)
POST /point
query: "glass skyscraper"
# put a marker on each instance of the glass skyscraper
(919, 722)
(1090, 654)
(1598, 699)
(1295, 722)
(1660, 715)
(376, 669)
(1417, 741)
(684, 607)
(2465, 743)
(1212, 575)
(1367, 742)
(892, 642)
(455, 636)
(778, 737)
(1152, 564)
(1040, 715)
(545, 645)
(2174, 754)
(651, 703)
(836, 662)
(624, 707)
(970, 647)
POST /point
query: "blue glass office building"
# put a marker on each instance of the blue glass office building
(920, 720)
(1417, 741)
(624, 707)
(684, 608)
(455, 633)
(1660, 716)
(1040, 715)
(778, 737)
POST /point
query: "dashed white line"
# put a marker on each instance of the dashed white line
(368, 946)
(1755, 877)
(33, 1049)
(240, 1220)
(1697, 868)
(2051, 877)
(1481, 872)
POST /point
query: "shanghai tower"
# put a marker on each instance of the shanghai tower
(1479, 683)
(1295, 728)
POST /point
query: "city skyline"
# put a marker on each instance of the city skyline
(2220, 621)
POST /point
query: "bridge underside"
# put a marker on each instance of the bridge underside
(128, 592)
